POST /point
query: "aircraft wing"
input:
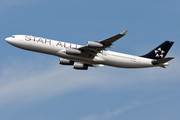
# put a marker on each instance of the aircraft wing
(97, 46)
(109, 41)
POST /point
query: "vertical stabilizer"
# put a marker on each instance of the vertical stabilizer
(160, 51)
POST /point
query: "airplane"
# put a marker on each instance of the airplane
(94, 54)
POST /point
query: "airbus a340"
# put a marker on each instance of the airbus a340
(93, 54)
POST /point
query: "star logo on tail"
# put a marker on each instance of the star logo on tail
(159, 53)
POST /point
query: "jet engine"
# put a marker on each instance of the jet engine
(73, 51)
(94, 44)
(65, 62)
(80, 66)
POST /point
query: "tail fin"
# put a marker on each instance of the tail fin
(160, 51)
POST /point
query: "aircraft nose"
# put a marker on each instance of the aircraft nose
(8, 39)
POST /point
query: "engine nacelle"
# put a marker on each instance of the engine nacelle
(94, 44)
(80, 66)
(72, 51)
(65, 62)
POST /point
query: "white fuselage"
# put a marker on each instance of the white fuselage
(58, 48)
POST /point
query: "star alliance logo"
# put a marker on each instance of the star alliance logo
(159, 52)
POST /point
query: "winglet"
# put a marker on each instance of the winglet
(124, 32)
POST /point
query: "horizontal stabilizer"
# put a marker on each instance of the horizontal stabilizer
(161, 61)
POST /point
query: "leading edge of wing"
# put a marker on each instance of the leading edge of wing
(106, 43)
(114, 38)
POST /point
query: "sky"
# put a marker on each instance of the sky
(34, 86)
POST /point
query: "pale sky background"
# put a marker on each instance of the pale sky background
(33, 86)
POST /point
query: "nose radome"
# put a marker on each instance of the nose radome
(7, 39)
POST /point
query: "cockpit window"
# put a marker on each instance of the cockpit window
(13, 36)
